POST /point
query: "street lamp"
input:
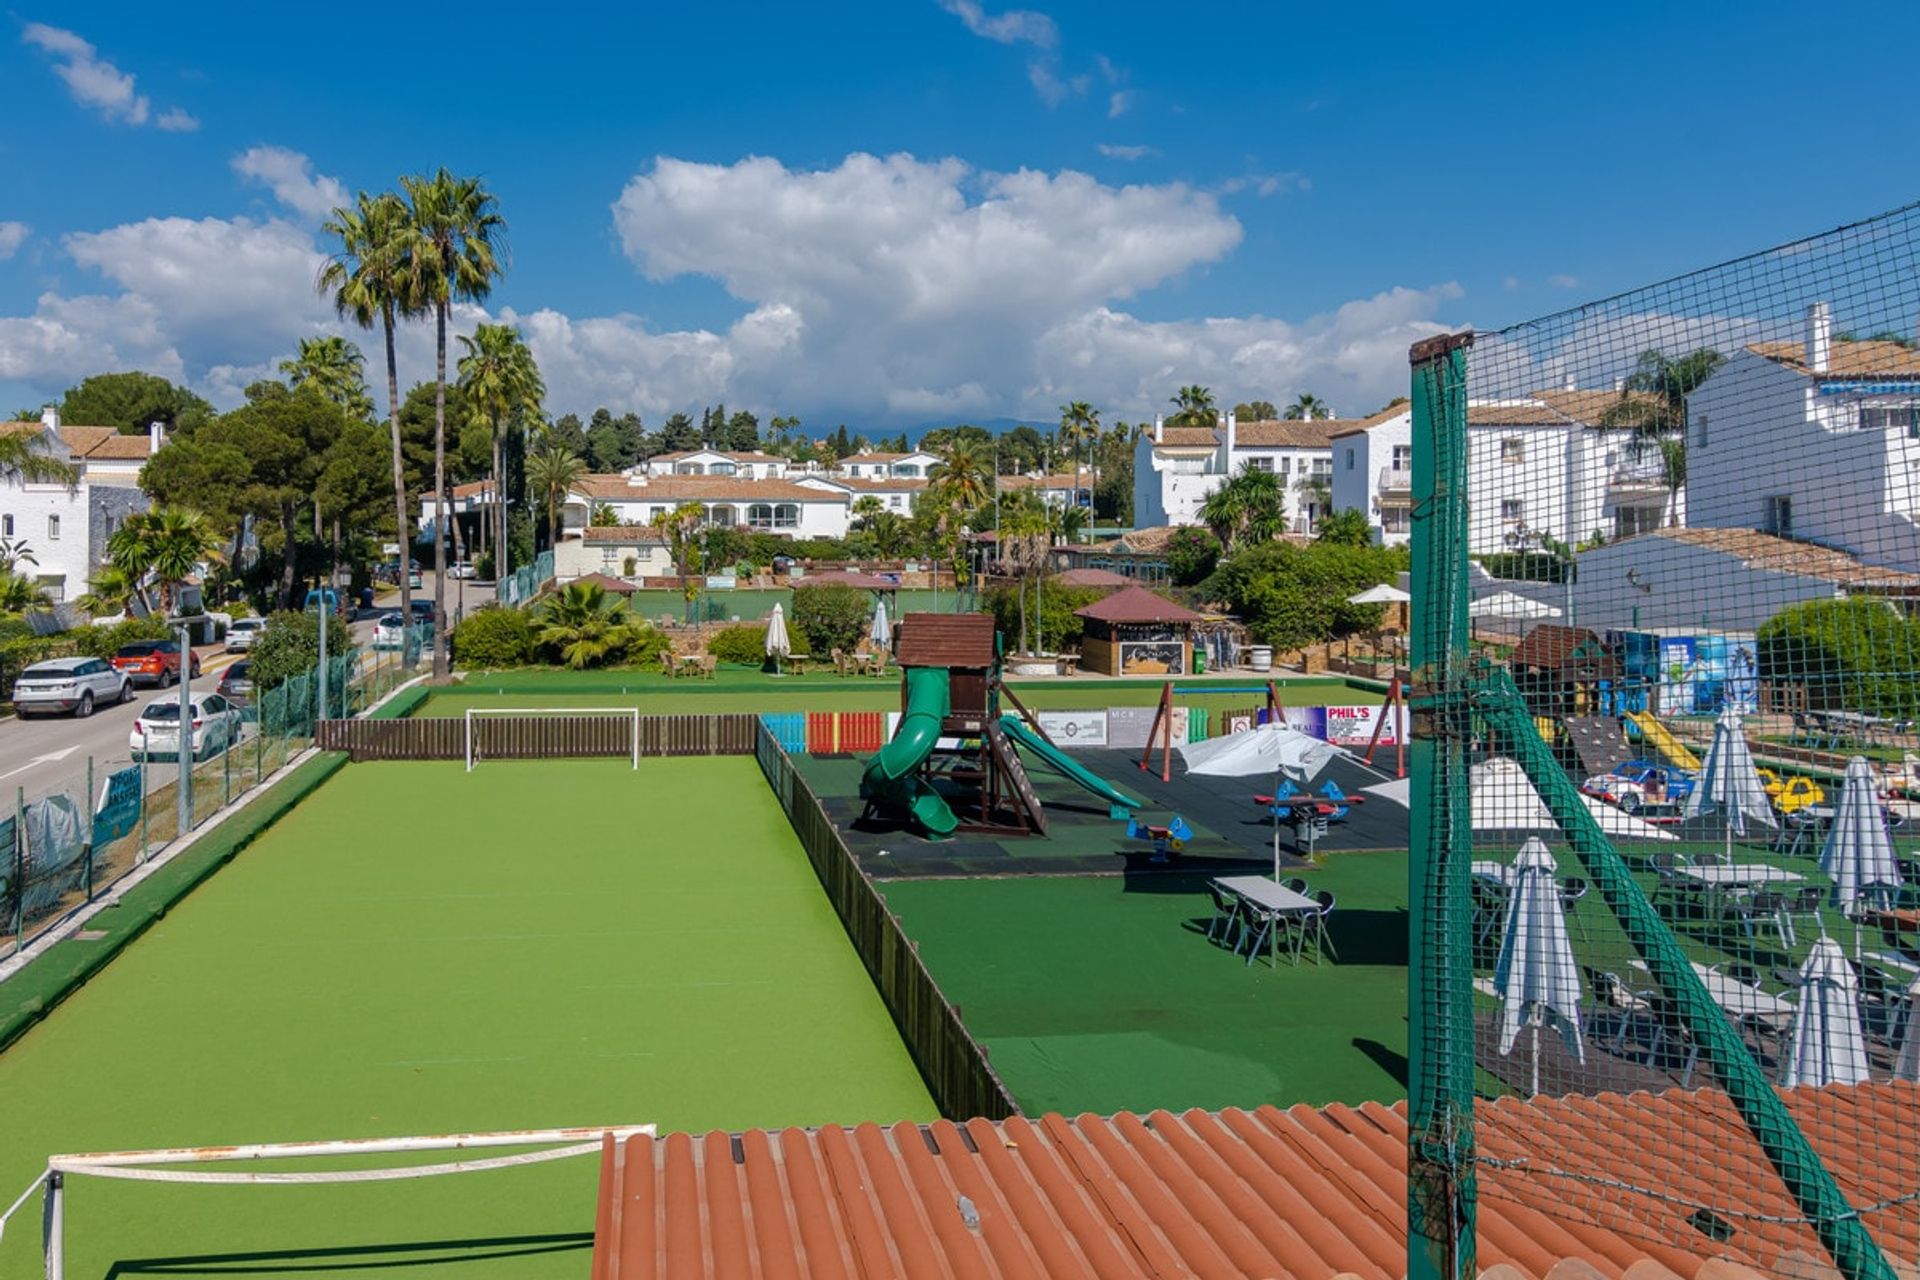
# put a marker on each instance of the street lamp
(183, 736)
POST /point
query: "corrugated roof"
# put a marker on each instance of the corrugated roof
(676, 488)
(1756, 550)
(1866, 358)
(1303, 1194)
(1137, 604)
(944, 640)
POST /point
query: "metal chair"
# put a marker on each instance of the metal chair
(1768, 907)
(1296, 885)
(1256, 927)
(1226, 915)
(1322, 936)
(1572, 889)
(1611, 992)
(1805, 905)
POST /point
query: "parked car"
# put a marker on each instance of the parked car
(69, 684)
(236, 683)
(243, 632)
(413, 579)
(423, 612)
(1641, 778)
(216, 725)
(460, 569)
(1663, 813)
(1790, 795)
(154, 662)
(390, 631)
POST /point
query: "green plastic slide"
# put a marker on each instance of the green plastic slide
(889, 778)
(1119, 803)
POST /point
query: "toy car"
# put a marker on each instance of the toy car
(1789, 795)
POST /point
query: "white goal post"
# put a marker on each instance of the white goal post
(477, 714)
(139, 1166)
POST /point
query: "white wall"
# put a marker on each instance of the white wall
(1677, 585)
(575, 558)
(1357, 486)
(824, 519)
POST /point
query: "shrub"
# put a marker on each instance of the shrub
(746, 643)
(1292, 596)
(102, 642)
(1525, 566)
(290, 646)
(1853, 654)
(1192, 554)
(1058, 626)
(831, 616)
(1347, 528)
(645, 643)
(492, 638)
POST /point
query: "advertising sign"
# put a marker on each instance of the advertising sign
(1128, 726)
(118, 812)
(1075, 728)
(1353, 726)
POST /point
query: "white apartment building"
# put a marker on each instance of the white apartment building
(1373, 472)
(716, 462)
(814, 509)
(1817, 440)
(915, 465)
(1176, 468)
(66, 527)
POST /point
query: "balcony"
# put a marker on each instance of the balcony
(1395, 481)
(1647, 475)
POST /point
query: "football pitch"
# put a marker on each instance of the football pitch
(418, 950)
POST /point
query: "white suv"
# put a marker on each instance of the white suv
(243, 634)
(69, 684)
(217, 725)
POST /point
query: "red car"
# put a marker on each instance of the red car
(153, 661)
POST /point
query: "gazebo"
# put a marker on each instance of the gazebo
(1135, 632)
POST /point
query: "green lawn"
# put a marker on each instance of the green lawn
(419, 950)
(1102, 993)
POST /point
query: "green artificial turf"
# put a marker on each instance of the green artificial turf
(1102, 993)
(415, 950)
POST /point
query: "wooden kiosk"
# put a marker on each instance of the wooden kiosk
(1135, 632)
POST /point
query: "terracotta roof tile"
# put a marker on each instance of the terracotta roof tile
(1091, 578)
(1187, 438)
(1137, 604)
(1289, 434)
(1869, 358)
(1756, 550)
(605, 582)
(1058, 480)
(102, 444)
(1304, 1193)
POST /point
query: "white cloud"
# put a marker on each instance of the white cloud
(1265, 184)
(1563, 282)
(1115, 152)
(1015, 26)
(1118, 103)
(12, 236)
(289, 175)
(94, 82)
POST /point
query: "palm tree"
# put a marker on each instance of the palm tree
(678, 526)
(1250, 508)
(960, 477)
(454, 250)
(1317, 488)
(1025, 534)
(333, 366)
(552, 471)
(111, 592)
(166, 544)
(367, 279)
(1079, 426)
(15, 552)
(20, 594)
(1653, 399)
(866, 509)
(603, 516)
(1195, 407)
(501, 381)
(1673, 472)
(585, 625)
(1307, 407)
(24, 459)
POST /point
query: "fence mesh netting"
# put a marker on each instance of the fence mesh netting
(1667, 799)
(65, 843)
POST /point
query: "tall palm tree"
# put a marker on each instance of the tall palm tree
(334, 367)
(552, 471)
(111, 591)
(1307, 407)
(455, 247)
(1194, 406)
(960, 477)
(679, 526)
(501, 382)
(1079, 427)
(1249, 508)
(366, 277)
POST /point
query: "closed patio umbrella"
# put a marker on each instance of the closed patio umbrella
(1828, 1046)
(1907, 1065)
(1537, 978)
(1859, 852)
(778, 646)
(1271, 748)
(880, 632)
(1729, 784)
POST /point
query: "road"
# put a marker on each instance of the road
(38, 754)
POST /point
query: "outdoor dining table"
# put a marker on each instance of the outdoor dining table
(1855, 726)
(1274, 897)
(1737, 998)
(1740, 875)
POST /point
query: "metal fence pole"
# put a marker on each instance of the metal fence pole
(144, 805)
(19, 867)
(87, 813)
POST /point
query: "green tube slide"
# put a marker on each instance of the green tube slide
(889, 778)
(1119, 803)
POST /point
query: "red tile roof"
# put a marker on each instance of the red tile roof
(1302, 1194)
(1091, 578)
(95, 444)
(1865, 358)
(617, 586)
(1137, 604)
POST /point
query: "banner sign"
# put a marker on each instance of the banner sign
(1128, 726)
(1353, 726)
(118, 812)
(721, 582)
(1075, 728)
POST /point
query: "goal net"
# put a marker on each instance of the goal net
(538, 733)
(463, 1153)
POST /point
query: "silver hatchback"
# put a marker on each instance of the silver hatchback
(78, 685)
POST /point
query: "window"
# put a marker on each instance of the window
(1260, 464)
(1513, 449)
(1888, 417)
(760, 516)
(1286, 466)
(894, 501)
(53, 528)
(1323, 466)
(6, 526)
(691, 469)
(1631, 521)
(1395, 519)
(723, 469)
(1403, 457)
(1513, 510)
(1777, 516)
(1349, 457)
(1701, 435)
(786, 515)
(609, 556)
(723, 515)
(906, 469)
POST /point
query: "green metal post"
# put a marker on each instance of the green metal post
(19, 864)
(1441, 1184)
(1807, 1180)
(88, 810)
(144, 805)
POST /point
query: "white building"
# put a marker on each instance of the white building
(1061, 489)
(1176, 468)
(65, 527)
(1719, 580)
(1818, 440)
(716, 462)
(632, 554)
(1373, 472)
(897, 494)
(815, 509)
(916, 465)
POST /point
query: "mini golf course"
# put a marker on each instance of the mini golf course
(418, 950)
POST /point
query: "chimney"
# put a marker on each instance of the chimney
(1819, 337)
(1159, 424)
(50, 417)
(156, 436)
(1232, 432)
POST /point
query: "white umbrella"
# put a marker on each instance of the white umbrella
(1828, 1047)
(1506, 604)
(1400, 791)
(881, 633)
(1907, 1065)
(1503, 798)
(1728, 783)
(1381, 594)
(1859, 852)
(1537, 978)
(778, 646)
(1274, 748)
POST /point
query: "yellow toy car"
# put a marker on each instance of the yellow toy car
(1790, 795)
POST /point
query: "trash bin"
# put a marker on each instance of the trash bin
(366, 597)
(1199, 661)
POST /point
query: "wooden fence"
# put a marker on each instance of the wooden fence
(535, 736)
(950, 1060)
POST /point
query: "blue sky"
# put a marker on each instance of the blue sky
(903, 212)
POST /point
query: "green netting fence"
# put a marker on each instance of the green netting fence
(67, 843)
(1666, 784)
(524, 583)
